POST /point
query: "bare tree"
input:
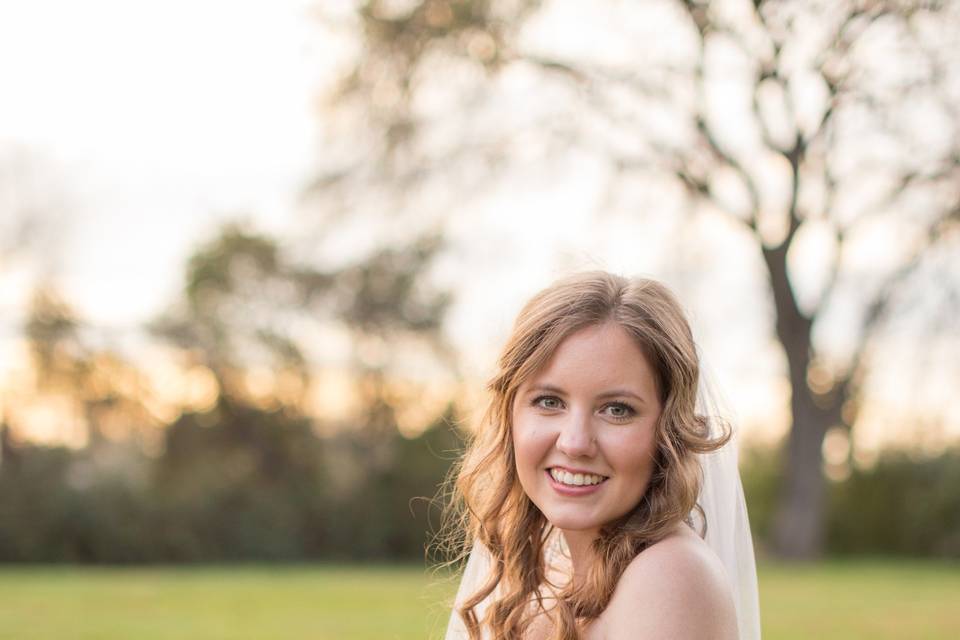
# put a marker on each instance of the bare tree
(786, 117)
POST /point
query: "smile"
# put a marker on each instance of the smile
(570, 479)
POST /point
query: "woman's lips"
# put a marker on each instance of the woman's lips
(573, 490)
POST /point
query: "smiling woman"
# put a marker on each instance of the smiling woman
(582, 496)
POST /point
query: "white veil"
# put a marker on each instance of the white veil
(725, 510)
(727, 526)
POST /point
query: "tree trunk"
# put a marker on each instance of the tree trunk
(799, 524)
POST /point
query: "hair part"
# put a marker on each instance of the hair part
(489, 505)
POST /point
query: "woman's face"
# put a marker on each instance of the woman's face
(584, 429)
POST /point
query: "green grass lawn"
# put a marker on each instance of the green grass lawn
(863, 599)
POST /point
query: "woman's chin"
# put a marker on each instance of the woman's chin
(573, 522)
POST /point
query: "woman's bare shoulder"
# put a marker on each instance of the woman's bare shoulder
(676, 588)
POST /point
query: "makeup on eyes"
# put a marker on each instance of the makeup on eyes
(629, 410)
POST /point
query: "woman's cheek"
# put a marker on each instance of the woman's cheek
(531, 442)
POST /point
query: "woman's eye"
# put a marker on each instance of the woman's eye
(619, 410)
(550, 403)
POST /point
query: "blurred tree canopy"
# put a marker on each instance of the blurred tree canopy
(98, 391)
(787, 119)
(241, 483)
(905, 504)
(256, 474)
(248, 304)
(234, 483)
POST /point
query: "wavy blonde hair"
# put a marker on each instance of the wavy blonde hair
(490, 507)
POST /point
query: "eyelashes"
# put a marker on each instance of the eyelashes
(618, 411)
(550, 403)
(624, 410)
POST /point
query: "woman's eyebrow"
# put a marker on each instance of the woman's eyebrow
(620, 393)
(546, 388)
(613, 393)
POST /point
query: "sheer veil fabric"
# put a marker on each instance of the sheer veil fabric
(727, 528)
(725, 510)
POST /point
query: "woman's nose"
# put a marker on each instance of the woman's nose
(576, 438)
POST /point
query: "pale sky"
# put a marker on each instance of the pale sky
(158, 119)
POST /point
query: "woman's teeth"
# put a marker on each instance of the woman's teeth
(575, 479)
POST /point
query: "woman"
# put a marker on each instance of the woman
(579, 495)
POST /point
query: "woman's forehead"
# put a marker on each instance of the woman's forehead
(596, 357)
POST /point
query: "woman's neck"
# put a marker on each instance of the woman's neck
(580, 545)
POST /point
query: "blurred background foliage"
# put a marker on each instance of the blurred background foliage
(302, 398)
(245, 472)
(245, 484)
(236, 483)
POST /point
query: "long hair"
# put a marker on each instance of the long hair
(490, 507)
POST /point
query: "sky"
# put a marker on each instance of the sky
(155, 120)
